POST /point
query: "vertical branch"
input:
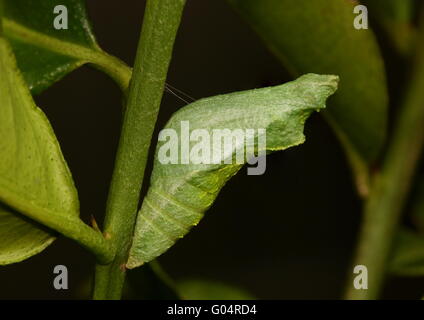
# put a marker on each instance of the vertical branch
(160, 25)
(392, 185)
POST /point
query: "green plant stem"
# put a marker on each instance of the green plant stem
(160, 25)
(391, 186)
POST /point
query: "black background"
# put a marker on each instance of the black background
(288, 234)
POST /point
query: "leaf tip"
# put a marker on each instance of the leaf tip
(133, 263)
(327, 82)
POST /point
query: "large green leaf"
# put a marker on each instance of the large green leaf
(180, 193)
(34, 177)
(318, 36)
(45, 54)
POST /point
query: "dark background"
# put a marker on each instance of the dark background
(288, 234)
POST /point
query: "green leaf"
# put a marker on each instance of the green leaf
(318, 36)
(198, 289)
(179, 194)
(45, 54)
(407, 258)
(20, 238)
(34, 177)
(32, 169)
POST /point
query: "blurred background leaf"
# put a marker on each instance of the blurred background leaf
(318, 36)
(151, 282)
(407, 258)
(200, 289)
(417, 209)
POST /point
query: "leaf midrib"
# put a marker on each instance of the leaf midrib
(111, 65)
(20, 32)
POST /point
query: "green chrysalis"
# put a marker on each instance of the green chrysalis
(180, 192)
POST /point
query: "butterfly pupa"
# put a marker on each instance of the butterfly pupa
(180, 193)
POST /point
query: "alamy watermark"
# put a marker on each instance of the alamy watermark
(216, 146)
(60, 22)
(360, 282)
(361, 20)
(60, 282)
